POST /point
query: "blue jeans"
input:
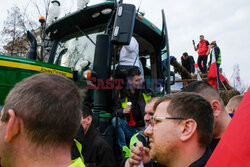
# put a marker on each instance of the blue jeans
(124, 131)
(218, 75)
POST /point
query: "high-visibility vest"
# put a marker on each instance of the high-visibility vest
(145, 96)
(218, 61)
(126, 150)
(76, 161)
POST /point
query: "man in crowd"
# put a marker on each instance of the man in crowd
(39, 120)
(215, 51)
(233, 104)
(221, 117)
(203, 52)
(188, 62)
(141, 137)
(90, 145)
(134, 111)
(181, 131)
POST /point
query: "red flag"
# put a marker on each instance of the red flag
(223, 78)
(212, 73)
(234, 146)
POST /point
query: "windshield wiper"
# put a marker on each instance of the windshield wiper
(85, 35)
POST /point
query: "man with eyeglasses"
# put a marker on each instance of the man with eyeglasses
(180, 132)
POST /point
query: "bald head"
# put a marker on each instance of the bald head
(204, 89)
(234, 103)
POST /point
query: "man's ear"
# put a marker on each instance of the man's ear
(215, 104)
(188, 129)
(13, 126)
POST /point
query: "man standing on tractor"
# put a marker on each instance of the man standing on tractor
(203, 52)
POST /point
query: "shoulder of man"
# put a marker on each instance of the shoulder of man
(216, 48)
(148, 92)
(207, 43)
(190, 57)
(105, 155)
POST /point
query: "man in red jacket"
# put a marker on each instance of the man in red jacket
(203, 52)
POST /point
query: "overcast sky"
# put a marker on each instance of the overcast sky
(226, 21)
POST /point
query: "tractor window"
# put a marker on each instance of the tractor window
(77, 52)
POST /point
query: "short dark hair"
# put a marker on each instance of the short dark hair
(185, 54)
(204, 89)
(202, 36)
(192, 106)
(50, 107)
(133, 72)
(86, 111)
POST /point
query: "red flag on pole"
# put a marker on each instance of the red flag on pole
(234, 146)
(212, 73)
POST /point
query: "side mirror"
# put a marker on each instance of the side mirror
(172, 78)
(124, 24)
(32, 54)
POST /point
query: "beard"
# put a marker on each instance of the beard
(164, 154)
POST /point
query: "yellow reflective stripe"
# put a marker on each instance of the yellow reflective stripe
(125, 102)
(126, 151)
(146, 98)
(79, 147)
(219, 59)
(34, 68)
(133, 140)
(77, 163)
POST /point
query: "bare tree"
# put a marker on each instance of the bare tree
(18, 22)
(14, 28)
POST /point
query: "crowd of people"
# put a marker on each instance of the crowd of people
(204, 49)
(44, 123)
(40, 125)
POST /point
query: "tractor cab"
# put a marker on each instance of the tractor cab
(74, 40)
(87, 39)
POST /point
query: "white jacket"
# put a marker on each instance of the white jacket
(129, 53)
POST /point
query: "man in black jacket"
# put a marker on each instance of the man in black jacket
(129, 107)
(188, 62)
(180, 131)
(90, 145)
